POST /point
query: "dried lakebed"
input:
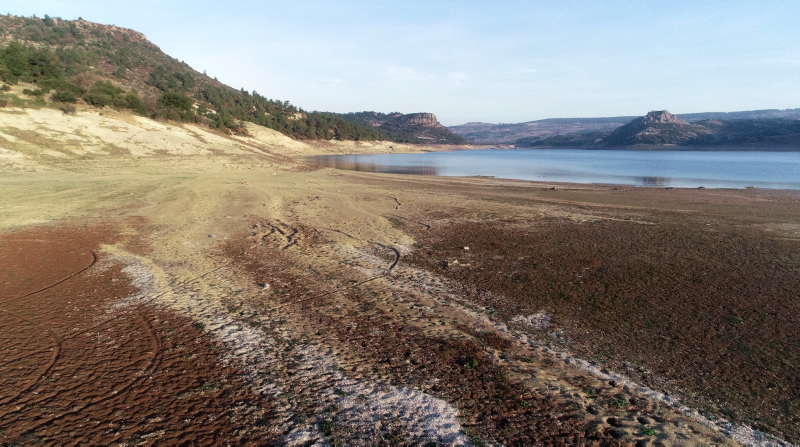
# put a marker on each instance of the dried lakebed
(354, 308)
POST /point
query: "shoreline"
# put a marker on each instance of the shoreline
(675, 148)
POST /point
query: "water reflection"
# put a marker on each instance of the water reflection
(353, 165)
(654, 182)
(665, 169)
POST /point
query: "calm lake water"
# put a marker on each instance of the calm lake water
(681, 169)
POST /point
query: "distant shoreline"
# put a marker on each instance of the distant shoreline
(662, 148)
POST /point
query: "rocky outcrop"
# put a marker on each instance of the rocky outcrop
(419, 119)
(655, 128)
(662, 117)
(409, 128)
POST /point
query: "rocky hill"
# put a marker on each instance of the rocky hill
(662, 129)
(76, 61)
(555, 129)
(409, 128)
(657, 127)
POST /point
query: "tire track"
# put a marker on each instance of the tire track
(94, 261)
(292, 237)
(340, 232)
(427, 227)
(140, 305)
(56, 348)
(137, 307)
(396, 254)
(153, 364)
(352, 286)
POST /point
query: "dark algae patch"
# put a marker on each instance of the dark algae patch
(687, 304)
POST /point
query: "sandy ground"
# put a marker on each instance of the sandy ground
(301, 281)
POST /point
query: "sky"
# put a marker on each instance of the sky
(486, 61)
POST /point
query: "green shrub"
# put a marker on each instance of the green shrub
(64, 96)
(98, 99)
(176, 100)
(37, 92)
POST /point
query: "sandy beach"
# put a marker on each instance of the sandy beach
(169, 284)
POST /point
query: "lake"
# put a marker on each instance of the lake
(680, 169)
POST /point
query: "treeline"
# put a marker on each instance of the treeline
(395, 127)
(747, 132)
(577, 139)
(419, 133)
(280, 115)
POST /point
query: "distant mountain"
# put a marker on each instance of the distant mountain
(409, 128)
(77, 61)
(485, 133)
(745, 115)
(658, 129)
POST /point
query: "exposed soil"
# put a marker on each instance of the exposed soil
(702, 307)
(75, 368)
(457, 370)
(380, 333)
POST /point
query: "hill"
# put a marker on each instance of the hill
(485, 133)
(554, 129)
(657, 127)
(409, 128)
(661, 128)
(77, 61)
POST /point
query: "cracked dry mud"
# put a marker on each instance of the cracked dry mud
(325, 312)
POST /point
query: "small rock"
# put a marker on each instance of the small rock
(212, 235)
(466, 248)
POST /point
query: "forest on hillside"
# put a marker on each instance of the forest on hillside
(79, 61)
(399, 128)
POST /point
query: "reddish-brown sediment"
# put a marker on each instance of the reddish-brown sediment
(377, 345)
(703, 307)
(76, 369)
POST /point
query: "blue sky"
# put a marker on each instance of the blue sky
(490, 61)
